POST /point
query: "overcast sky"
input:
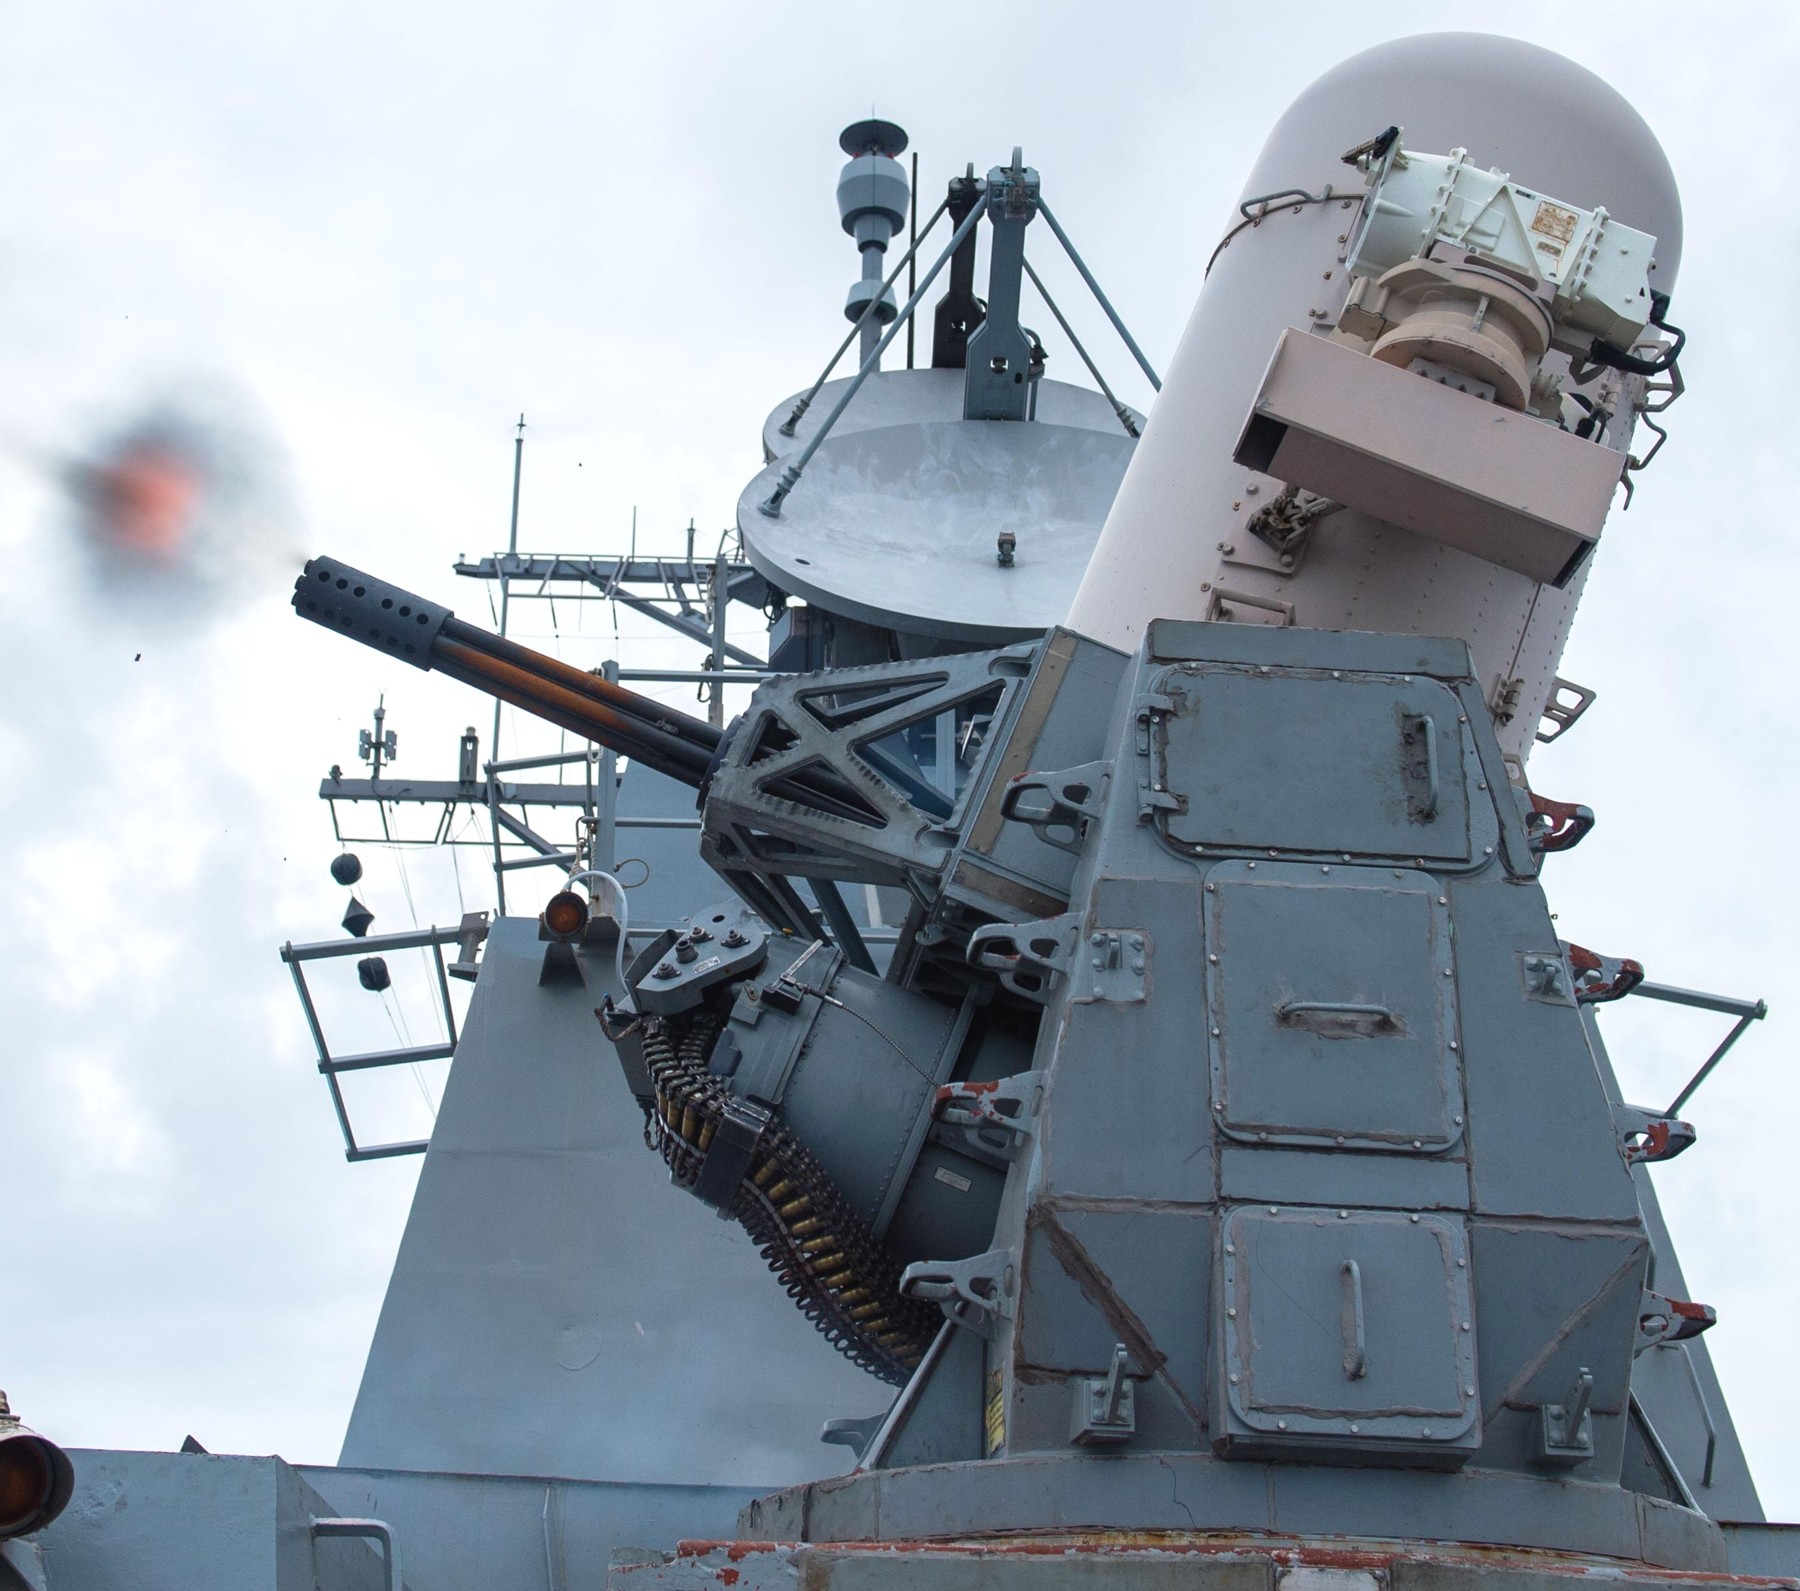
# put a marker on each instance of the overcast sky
(370, 237)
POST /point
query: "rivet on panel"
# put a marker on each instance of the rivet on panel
(1324, 867)
(1457, 1120)
(1214, 960)
(1281, 1425)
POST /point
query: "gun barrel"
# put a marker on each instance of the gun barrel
(428, 635)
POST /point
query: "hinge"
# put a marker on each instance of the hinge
(1152, 797)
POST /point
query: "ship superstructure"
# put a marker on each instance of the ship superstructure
(1113, 987)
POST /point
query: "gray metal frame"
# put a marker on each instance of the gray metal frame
(331, 1067)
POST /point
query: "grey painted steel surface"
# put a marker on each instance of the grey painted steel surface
(909, 397)
(214, 1522)
(552, 1311)
(519, 1532)
(1177, 541)
(199, 1522)
(1348, 998)
(899, 526)
(1756, 1548)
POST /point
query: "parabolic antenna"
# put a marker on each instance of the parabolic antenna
(900, 525)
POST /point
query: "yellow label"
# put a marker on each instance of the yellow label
(996, 1414)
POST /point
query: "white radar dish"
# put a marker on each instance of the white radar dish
(901, 526)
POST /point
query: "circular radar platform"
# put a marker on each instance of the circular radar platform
(900, 526)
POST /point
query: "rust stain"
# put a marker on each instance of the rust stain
(736, 1551)
(1235, 1545)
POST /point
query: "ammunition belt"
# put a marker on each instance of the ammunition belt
(843, 1280)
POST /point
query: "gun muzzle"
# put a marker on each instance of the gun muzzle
(429, 636)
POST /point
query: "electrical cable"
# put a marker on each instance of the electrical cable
(621, 911)
(1294, 200)
(832, 1000)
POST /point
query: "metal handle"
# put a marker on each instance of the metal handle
(370, 1530)
(1428, 808)
(1356, 1347)
(1338, 1018)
